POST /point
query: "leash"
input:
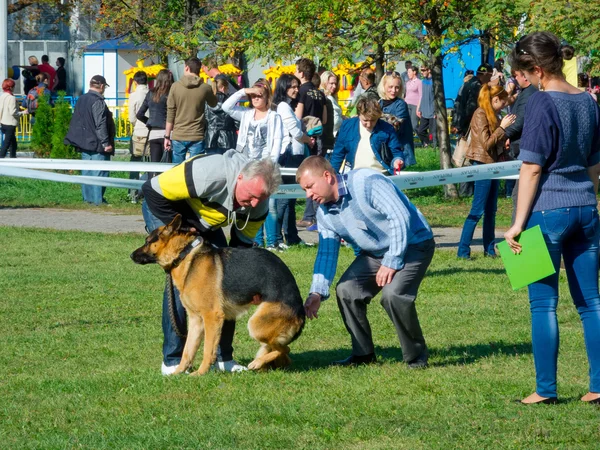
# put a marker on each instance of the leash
(171, 301)
(169, 286)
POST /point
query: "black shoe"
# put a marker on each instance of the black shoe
(418, 363)
(354, 360)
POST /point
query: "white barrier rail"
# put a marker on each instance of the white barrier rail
(406, 180)
(75, 179)
(108, 166)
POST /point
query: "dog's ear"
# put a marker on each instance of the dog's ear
(175, 224)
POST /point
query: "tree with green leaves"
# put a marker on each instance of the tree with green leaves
(575, 21)
(60, 128)
(41, 134)
(446, 25)
(338, 31)
(174, 27)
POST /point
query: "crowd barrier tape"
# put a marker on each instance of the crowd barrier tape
(406, 180)
(18, 172)
(108, 166)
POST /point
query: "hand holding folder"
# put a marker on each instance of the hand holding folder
(532, 264)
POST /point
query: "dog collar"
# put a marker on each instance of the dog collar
(185, 252)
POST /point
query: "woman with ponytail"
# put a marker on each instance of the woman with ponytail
(487, 146)
(558, 184)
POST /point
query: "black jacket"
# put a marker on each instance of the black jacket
(516, 129)
(92, 127)
(466, 104)
(158, 112)
(328, 138)
(221, 129)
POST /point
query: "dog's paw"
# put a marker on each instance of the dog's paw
(255, 365)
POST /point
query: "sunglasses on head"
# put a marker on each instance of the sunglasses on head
(391, 72)
(520, 51)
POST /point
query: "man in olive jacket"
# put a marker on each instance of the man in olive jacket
(186, 105)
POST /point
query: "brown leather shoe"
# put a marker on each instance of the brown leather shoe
(304, 223)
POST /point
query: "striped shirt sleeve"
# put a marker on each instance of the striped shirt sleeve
(327, 258)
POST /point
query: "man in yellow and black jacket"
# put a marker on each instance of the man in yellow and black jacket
(210, 192)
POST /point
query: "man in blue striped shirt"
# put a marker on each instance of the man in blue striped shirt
(395, 246)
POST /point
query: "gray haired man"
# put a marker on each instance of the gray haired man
(210, 192)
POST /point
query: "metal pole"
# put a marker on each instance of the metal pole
(3, 39)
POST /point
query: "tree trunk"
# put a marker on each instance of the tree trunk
(379, 62)
(443, 134)
(486, 44)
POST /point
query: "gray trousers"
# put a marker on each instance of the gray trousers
(357, 287)
(414, 120)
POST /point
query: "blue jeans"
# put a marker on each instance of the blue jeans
(286, 220)
(310, 211)
(94, 194)
(181, 148)
(510, 185)
(286, 208)
(484, 204)
(172, 344)
(408, 149)
(574, 234)
(270, 227)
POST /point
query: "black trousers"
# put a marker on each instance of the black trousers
(427, 126)
(10, 141)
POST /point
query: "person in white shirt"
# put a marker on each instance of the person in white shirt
(293, 153)
(9, 113)
(138, 146)
(260, 136)
(261, 130)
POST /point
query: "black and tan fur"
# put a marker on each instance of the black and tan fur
(223, 283)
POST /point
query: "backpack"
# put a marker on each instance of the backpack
(32, 98)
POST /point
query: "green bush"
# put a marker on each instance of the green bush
(41, 137)
(60, 128)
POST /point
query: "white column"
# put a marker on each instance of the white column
(3, 39)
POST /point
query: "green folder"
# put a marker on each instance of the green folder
(532, 264)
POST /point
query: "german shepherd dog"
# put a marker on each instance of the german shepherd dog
(216, 284)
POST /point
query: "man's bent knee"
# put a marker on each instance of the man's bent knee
(349, 291)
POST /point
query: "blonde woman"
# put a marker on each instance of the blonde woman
(390, 90)
(330, 84)
(261, 129)
(488, 137)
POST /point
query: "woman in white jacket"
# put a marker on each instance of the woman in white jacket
(260, 136)
(9, 113)
(284, 99)
(261, 130)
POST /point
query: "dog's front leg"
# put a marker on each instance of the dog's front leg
(213, 325)
(192, 342)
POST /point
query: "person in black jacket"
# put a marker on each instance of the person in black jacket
(92, 133)
(514, 131)
(221, 130)
(156, 103)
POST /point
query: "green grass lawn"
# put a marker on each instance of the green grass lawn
(81, 352)
(439, 210)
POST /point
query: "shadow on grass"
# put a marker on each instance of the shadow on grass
(455, 355)
(458, 355)
(457, 270)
